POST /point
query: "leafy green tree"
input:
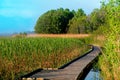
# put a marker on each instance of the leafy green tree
(77, 24)
(96, 19)
(54, 21)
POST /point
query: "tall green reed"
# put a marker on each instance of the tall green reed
(110, 60)
(22, 55)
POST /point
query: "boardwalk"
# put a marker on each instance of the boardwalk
(69, 72)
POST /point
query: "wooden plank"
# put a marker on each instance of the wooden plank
(72, 71)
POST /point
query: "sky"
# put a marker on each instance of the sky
(21, 15)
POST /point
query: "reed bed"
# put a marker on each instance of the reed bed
(19, 56)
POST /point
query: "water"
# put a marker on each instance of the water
(94, 74)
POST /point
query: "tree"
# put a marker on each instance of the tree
(77, 24)
(96, 19)
(54, 21)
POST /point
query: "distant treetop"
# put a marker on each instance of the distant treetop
(54, 21)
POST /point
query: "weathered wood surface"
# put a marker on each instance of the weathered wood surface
(71, 71)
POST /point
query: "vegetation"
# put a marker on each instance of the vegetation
(110, 61)
(33, 53)
(77, 23)
(22, 55)
(66, 21)
(20, 35)
(108, 36)
(54, 21)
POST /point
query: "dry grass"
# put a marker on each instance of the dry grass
(60, 35)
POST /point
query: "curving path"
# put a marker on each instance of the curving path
(74, 70)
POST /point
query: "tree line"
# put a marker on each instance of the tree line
(62, 21)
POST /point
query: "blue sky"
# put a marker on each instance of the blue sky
(21, 15)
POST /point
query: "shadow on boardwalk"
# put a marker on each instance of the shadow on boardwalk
(74, 70)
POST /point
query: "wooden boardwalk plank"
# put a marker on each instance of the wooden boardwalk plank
(70, 72)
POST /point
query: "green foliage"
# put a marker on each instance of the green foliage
(81, 23)
(54, 21)
(77, 24)
(96, 19)
(110, 61)
(21, 55)
(66, 21)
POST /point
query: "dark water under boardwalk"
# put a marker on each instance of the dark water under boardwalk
(94, 74)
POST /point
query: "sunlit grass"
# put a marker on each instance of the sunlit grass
(109, 62)
(22, 55)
